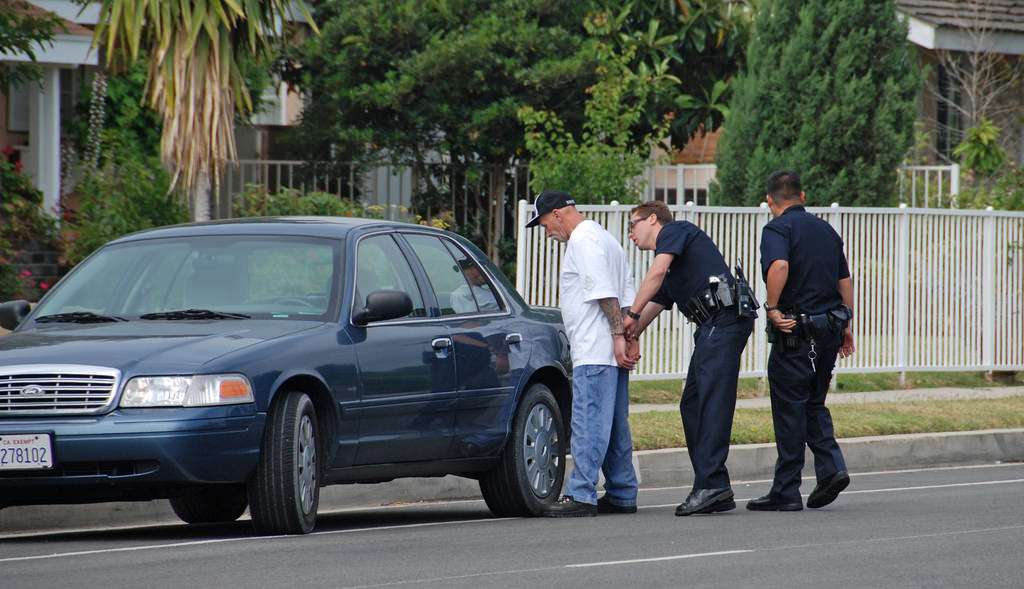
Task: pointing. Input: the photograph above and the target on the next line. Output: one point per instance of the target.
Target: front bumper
(136, 454)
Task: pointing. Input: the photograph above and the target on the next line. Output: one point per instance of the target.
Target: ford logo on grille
(31, 391)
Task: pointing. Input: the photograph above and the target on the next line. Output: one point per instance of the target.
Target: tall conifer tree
(829, 90)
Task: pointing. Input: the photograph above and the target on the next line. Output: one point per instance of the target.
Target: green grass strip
(663, 429)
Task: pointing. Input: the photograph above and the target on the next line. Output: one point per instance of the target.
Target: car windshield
(211, 277)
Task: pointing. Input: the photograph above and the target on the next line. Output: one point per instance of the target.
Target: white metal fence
(928, 186)
(935, 289)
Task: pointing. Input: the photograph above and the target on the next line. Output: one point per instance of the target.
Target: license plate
(26, 452)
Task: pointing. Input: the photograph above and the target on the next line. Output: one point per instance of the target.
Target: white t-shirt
(594, 267)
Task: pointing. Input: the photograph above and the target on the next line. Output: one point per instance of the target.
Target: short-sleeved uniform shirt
(816, 261)
(594, 267)
(696, 259)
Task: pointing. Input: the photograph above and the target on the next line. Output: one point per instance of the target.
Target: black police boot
(826, 491)
(706, 501)
(769, 503)
(605, 505)
(569, 507)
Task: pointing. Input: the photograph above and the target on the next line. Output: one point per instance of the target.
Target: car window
(484, 292)
(451, 287)
(266, 277)
(380, 265)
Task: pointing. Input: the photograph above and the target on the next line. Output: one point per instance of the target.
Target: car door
(490, 353)
(406, 366)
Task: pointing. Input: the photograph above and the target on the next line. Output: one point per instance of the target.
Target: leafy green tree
(604, 165)
(829, 90)
(24, 31)
(696, 46)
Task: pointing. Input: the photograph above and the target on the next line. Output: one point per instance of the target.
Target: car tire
(209, 505)
(531, 469)
(285, 490)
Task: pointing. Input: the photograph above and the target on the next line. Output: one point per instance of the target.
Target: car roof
(332, 227)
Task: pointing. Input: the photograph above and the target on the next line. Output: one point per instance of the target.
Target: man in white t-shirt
(595, 286)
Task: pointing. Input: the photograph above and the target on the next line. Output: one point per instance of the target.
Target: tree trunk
(201, 198)
(496, 218)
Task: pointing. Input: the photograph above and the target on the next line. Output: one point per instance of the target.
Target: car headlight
(187, 391)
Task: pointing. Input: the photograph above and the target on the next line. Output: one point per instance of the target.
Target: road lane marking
(244, 539)
(419, 525)
(685, 557)
(366, 508)
(655, 559)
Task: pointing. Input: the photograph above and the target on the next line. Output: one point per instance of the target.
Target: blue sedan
(248, 363)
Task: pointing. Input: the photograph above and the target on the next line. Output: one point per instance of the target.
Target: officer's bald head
(784, 186)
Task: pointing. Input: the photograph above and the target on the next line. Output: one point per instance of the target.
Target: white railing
(934, 289)
(679, 184)
(929, 186)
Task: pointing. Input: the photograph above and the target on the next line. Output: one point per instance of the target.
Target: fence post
(521, 212)
(903, 294)
(988, 291)
(954, 180)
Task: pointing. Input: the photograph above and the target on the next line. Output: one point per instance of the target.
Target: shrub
(25, 223)
(128, 193)
(257, 201)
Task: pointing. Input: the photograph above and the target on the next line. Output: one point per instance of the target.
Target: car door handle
(513, 338)
(441, 343)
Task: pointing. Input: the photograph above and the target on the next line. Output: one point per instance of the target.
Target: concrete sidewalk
(936, 394)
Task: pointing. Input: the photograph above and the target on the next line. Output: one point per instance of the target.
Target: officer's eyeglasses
(633, 222)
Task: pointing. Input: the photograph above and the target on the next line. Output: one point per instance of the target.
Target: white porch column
(44, 137)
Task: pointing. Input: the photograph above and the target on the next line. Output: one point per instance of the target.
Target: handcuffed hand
(622, 357)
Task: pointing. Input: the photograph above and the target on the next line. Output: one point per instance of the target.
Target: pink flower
(44, 285)
(26, 273)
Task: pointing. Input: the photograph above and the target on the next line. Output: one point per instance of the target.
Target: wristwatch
(632, 314)
(769, 308)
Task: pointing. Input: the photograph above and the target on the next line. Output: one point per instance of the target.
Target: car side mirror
(12, 313)
(382, 305)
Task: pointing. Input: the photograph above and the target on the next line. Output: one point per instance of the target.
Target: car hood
(141, 347)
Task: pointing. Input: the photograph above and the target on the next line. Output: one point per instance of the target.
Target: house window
(947, 116)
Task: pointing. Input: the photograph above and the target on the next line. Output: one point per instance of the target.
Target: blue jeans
(600, 435)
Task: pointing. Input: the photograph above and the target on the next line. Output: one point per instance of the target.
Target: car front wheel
(530, 472)
(285, 491)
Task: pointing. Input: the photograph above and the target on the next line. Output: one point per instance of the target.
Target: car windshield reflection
(231, 277)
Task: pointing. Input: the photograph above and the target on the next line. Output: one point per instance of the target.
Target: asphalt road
(953, 527)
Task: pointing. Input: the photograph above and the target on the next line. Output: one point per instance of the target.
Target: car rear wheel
(210, 505)
(530, 472)
(285, 491)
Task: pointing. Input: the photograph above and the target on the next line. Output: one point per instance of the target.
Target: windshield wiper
(194, 314)
(79, 317)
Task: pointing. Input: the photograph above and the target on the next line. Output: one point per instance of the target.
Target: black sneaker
(605, 505)
(569, 507)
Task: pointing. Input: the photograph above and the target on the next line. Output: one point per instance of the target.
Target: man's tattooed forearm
(613, 312)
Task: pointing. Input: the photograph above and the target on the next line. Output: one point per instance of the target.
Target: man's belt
(720, 295)
(811, 327)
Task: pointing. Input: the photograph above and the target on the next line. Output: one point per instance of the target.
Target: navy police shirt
(816, 261)
(696, 258)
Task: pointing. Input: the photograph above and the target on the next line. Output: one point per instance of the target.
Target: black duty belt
(722, 294)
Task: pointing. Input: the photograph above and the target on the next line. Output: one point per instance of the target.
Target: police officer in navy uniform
(690, 272)
(809, 307)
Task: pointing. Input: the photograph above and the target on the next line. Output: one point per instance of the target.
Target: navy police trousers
(709, 397)
(799, 414)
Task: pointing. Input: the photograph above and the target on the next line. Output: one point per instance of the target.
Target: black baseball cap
(548, 201)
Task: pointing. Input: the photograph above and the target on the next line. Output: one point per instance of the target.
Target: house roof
(71, 46)
(24, 8)
(992, 15)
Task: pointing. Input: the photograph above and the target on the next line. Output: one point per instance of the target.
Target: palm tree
(194, 49)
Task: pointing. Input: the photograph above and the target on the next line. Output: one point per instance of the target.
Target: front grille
(56, 389)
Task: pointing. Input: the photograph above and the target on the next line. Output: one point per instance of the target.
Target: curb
(656, 468)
